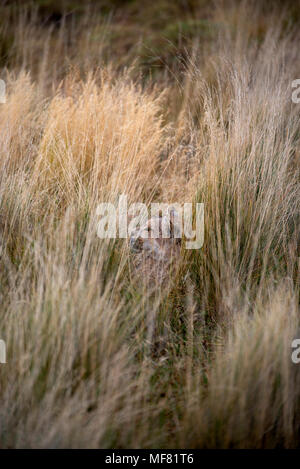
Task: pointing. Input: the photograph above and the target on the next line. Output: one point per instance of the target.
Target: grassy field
(166, 102)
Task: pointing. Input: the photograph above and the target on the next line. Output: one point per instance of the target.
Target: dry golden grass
(96, 357)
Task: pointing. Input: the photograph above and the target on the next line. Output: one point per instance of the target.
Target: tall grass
(95, 356)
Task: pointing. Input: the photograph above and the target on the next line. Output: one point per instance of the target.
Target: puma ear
(175, 223)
